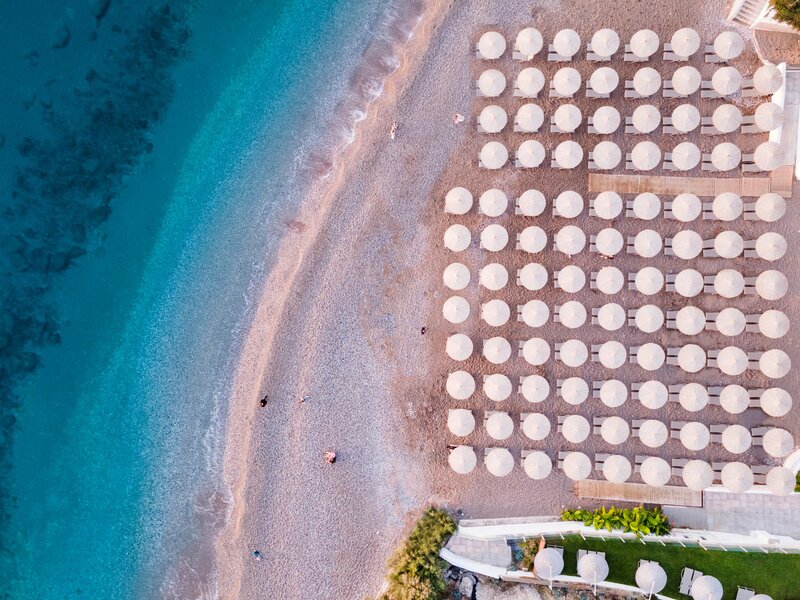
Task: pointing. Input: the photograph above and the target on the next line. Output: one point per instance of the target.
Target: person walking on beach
(264, 400)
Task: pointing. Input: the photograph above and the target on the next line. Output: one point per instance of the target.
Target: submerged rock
(99, 9)
(60, 37)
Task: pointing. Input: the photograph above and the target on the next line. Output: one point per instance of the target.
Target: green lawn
(775, 574)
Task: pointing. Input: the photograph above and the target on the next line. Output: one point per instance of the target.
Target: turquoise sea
(151, 154)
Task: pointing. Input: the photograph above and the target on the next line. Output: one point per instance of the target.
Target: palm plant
(787, 11)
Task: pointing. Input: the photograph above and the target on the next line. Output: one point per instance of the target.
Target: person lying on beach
(330, 457)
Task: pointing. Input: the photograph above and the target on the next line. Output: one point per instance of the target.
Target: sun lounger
(630, 91)
(707, 164)
(635, 387)
(711, 56)
(595, 57)
(673, 392)
(711, 321)
(590, 93)
(708, 91)
(744, 593)
(672, 57)
(677, 466)
(669, 92)
(631, 57)
(675, 429)
(555, 129)
(518, 94)
(595, 351)
(750, 168)
(636, 424)
(668, 165)
(750, 286)
(707, 127)
(672, 356)
(668, 251)
(553, 56)
(629, 128)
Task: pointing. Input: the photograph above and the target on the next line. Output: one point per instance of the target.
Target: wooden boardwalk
(672, 186)
(638, 493)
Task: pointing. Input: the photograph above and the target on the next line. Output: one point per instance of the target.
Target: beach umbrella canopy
(611, 316)
(734, 399)
(767, 79)
(706, 588)
(646, 206)
(644, 43)
(737, 477)
(686, 80)
(462, 459)
(460, 385)
(493, 118)
(653, 433)
(455, 309)
(775, 363)
(647, 243)
(685, 42)
(530, 82)
(535, 313)
(729, 283)
(571, 279)
(649, 281)
(573, 353)
(497, 350)
(499, 425)
(609, 280)
(698, 475)
(728, 45)
(695, 436)
(548, 563)
(685, 118)
(732, 360)
(570, 240)
(771, 246)
(609, 241)
(646, 117)
(726, 80)
(575, 429)
(592, 568)
(608, 205)
(604, 80)
(491, 83)
(456, 276)
(457, 238)
(649, 318)
(687, 244)
(535, 388)
(693, 397)
(493, 202)
(491, 45)
(499, 462)
(655, 471)
(606, 155)
(768, 156)
(537, 465)
(617, 468)
(568, 154)
(458, 201)
(613, 393)
(529, 42)
(772, 285)
(690, 320)
(459, 346)
(577, 466)
(495, 312)
(532, 240)
(781, 482)
(773, 324)
(736, 439)
(726, 156)
(532, 203)
(691, 358)
(727, 118)
(532, 276)
(612, 354)
(494, 237)
(493, 276)
(536, 351)
(730, 321)
(650, 356)
(686, 207)
(604, 42)
(606, 119)
(569, 204)
(460, 421)
(615, 430)
(574, 390)
(497, 387)
(728, 244)
(536, 426)
(685, 156)
(493, 155)
(530, 118)
(645, 156)
(567, 42)
(653, 394)
(778, 442)
(566, 81)
(727, 206)
(768, 116)
(530, 154)
(689, 283)
(572, 314)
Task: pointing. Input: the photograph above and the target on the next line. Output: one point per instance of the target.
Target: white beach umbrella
(729, 283)
(494, 238)
(734, 399)
(613, 393)
(491, 45)
(736, 477)
(650, 356)
(575, 429)
(455, 309)
(647, 243)
(456, 276)
(728, 244)
(653, 433)
(491, 83)
(569, 204)
(570, 240)
(691, 358)
(593, 568)
(567, 42)
(604, 80)
(728, 45)
(727, 118)
(690, 320)
(698, 475)
(687, 244)
(566, 81)
(706, 588)
(495, 312)
(606, 155)
(530, 154)
(768, 116)
(732, 360)
(646, 118)
(768, 156)
(536, 351)
(653, 394)
(457, 238)
(608, 205)
(686, 80)
(781, 482)
(772, 285)
(460, 421)
(685, 118)
(644, 43)
(767, 79)
(615, 430)
(686, 207)
(532, 240)
(532, 276)
(606, 120)
(736, 439)
(773, 324)
(646, 206)
(727, 206)
(459, 346)
(577, 466)
(499, 462)
(529, 42)
(497, 387)
(617, 468)
(574, 353)
(604, 42)
(726, 156)
(612, 354)
(726, 80)
(649, 281)
(645, 156)
(460, 385)
(458, 201)
(536, 426)
(535, 313)
(574, 390)
(493, 276)
(462, 459)
(530, 82)
(571, 279)
(778, 442)
(775, 363)
(685, 42)
(493, 118)
(568, 154)
(609, 280)
(695, 436)
(646, 81)
(537, 465)
(609, 241)
(730, 321)
(493, 155)
(548, 563)
(693, 397)
(689, 283)
(535, 388)
(496, 350)
(611, 316)
(649, 318)
(572, 314)
(532, 203)
(530, 117)
(685, 156)
(771, 246)
(493, 202)
(655, 471)
(499, 425)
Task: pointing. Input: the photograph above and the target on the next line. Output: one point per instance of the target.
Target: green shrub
(529, 548)
(787, 11)
(639, 520)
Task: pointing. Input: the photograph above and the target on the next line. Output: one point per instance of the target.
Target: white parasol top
(460, 421)
(695, 436)
(771, 246)
(536, 351)
(657, 472)
(726, 156)
(568, 154)
(537, 465)
(685, 42)
(729, 283)
(569, 204)
(530, 82)
(652, 433)
(604, 42)
(617, 468)
(734, 399)
(530, 117)
(574, 390)
(693, 397)
(499, 425)
(491, 83)
(698, 475)
(493, 118)
(781, 482)
(567, 42)
(778, 442)
(532, 239)
(772, 285)
(609, 280)
(647, 243)
(653, 394)
(687, 244)
(459, 347)
(650, 356)
(686, 80)
(571, 279)
(768, 156)
(499, 462)
(530, 154)
(736, 439)
(606, 120)
(613, 393)
(577, 466)
(462, 459)
(611, 316)
(573, 353)
(455, 310)
(566, 81)
(494, 237)
(737, 477)
(608, 205)
(706, 588)
(575, 429)
(646, 81)
(570, 240)
(572, 314)
(691, 358)
(732, 360)
(644, 43)
(690, 320)
(728, 45)
(689, 283)
(495, 312)
(606, 155)
(646, 206)
(775, 363)
(730, 321)
(536, 426)
(456, 276)
(612, 354)
(458, 201)
(491, 45)
(460, 385)
(767, 79)
(645, 156)
(615, 430)
(604, 80)
(548, 563)
(493, 155)
(497, 387)
(649, 318)
(728, 244)
(726, 81)
(496, 350)
(649, 281)
(727, 206)
(685, 118)
(457, 238)
(493, 202)
(727, 118)
(532, 203)
(768, 116)
(533, 277)
(685, 156)
(609, 241)
(593, 568)
(535, 388)
(773, 324)
(686, 207)
(529, 42)
(646, 118)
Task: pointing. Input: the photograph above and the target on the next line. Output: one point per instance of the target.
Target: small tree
(787, 11)
(529, 549)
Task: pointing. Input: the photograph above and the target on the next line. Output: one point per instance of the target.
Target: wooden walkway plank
(638, 493)
(700, 186)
